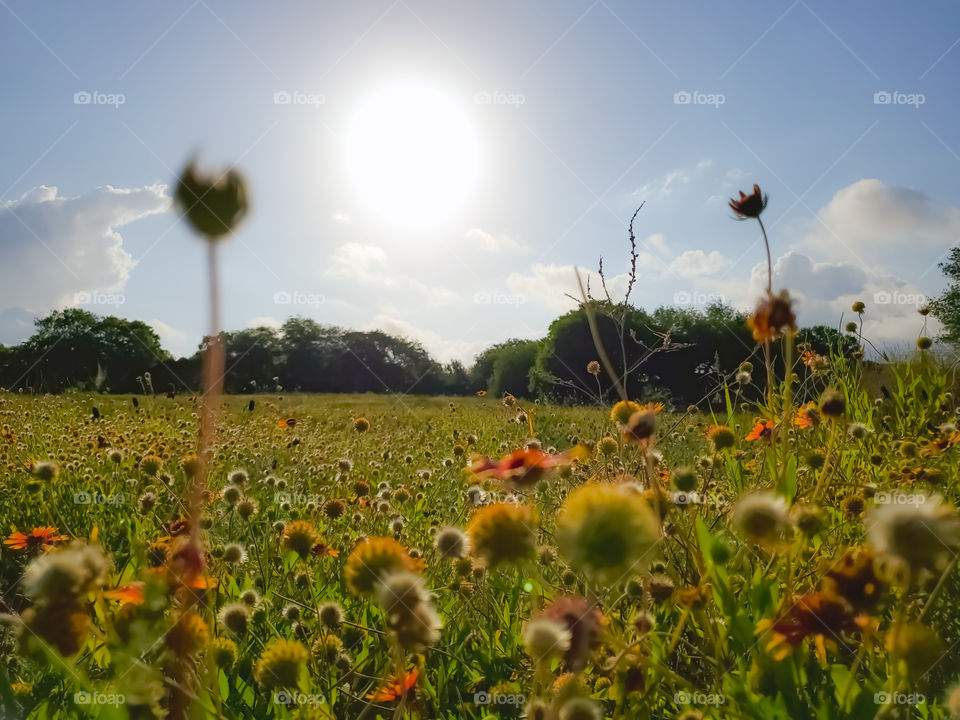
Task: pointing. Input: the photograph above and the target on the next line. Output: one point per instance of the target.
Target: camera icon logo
(82, 498)
(282, 97)
(82, 98)
(82, 698)
(882, 98)
(282, 697)
(881, 698)
(481, 698)
(482, 298)
(882, 297)
(682, 98)
(682, 298)
(682, 698)
(282, 298)
(482, 98)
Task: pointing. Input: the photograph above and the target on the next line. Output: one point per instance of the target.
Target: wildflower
(641, 425)
(622, 411)
(806, 416)
(721, 436)
(451, 543)
(223, 652)
(132, 594)
(685, 479)
(188, 635)
(920, 535)
(833, 403)
(411, 619)
(761, 430)
(580, 708)
(361, 424)
(858, 307)
(815, 613)
(150, 465)
(593, 367)
(281, 664)
(39, 538)
(300, 536)
(924, 343)
(544, 639)
(524, 467)
(608, 446)
(238, 478)
(235, 617)
(584, 623)
(70, 572)
(396, 687)
(503, 532)
(606, 530)
(809, 519)
(854, 579)
(250, 598)
(46, 470)
(761, 516)
(331, 615)
(246, 508)
(373, 559)
(212, 205)
(749, 206)
(334, 508)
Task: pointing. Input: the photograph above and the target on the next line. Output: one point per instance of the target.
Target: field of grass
(408, 557)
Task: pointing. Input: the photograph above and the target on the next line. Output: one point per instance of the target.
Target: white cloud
(663, 187)
(693, 263)
(489, 242)
(173, 341)
(883, 227)
(340, 217)
(368, 264)
(440, 348)
(549, 285)
(264, 321)
(53, 247)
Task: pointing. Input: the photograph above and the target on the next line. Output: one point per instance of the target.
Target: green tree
(946, 308)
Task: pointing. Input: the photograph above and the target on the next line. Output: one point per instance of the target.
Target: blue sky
(577, 110)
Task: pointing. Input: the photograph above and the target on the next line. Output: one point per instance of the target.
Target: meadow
(397, 556)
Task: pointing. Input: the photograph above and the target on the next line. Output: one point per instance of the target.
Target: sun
(411, 155)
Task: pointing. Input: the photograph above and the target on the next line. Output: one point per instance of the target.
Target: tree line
(677, 354)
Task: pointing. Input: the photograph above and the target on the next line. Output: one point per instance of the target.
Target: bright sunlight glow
(411, 155)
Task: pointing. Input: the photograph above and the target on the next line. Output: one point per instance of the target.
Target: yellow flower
(281, 664)
(623, 410)
(503, 532)
(372, 559)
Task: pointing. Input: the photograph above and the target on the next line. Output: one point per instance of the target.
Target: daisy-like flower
(817, 614)
(503, 533)
(281, 664)
(524, 467)
(917, 535)
(749, 206)
(773, 317)
(38, 539)
(761, 430)
(396, 687)
(373, 559)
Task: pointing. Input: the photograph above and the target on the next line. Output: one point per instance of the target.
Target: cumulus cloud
(267, 321)
(872, 223)
(693, 263)
(16, 325)
(662, 187)
(549, 285)
(53, 247)
(441, 348)
(173, 341)
(368, 264)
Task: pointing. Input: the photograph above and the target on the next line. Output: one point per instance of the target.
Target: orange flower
(762, 429)
(481, 393)
(40, 537)
(817, 614)
(321, 549)
(131, 594)
(772, 317)
(9, 436)
(652, 407)
(806, 416)
(524, 467)
(289, 422)
(749, 206)
(396, 687)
